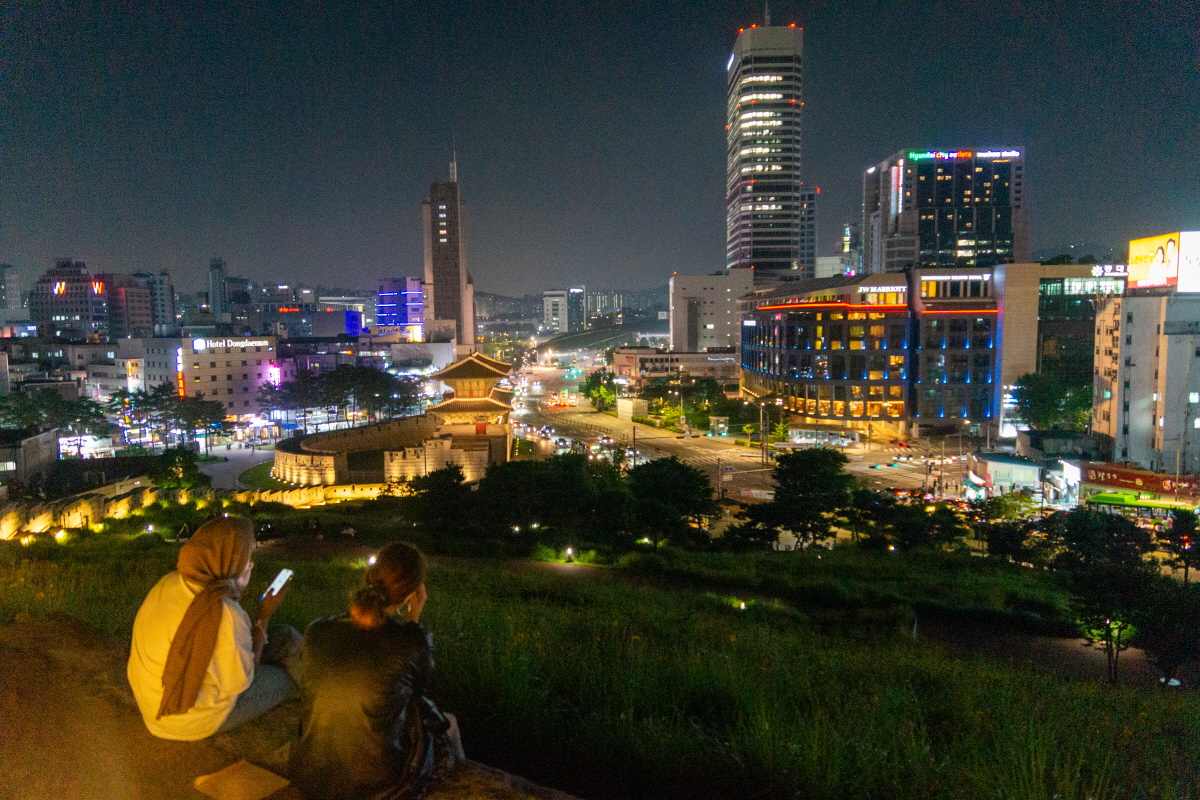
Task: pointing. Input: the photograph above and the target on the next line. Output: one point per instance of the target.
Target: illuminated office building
(449, 300)
(770, 215)
(399, 304)
(924, 351)
(70, 302)
(956, 208)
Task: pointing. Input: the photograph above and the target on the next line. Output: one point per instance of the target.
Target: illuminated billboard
(1169, 260)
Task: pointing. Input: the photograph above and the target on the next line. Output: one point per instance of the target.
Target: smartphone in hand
(277, 585)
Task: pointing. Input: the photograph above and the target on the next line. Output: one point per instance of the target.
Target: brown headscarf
(213, 559)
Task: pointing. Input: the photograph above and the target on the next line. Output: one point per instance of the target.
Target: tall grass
(579, 679)
(845, 578)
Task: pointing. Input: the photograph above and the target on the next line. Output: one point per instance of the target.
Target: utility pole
(942, 469)
(762, 430)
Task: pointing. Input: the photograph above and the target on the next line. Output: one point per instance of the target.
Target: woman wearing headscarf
(197, 666)
(366, 728)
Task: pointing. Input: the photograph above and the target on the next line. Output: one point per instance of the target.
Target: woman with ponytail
(367, 729)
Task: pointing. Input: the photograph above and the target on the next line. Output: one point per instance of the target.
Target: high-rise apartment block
(956, 208)
(564, 310)
(1146, 381)
(130, 306)
(449, 294)
(554, 311)
(770, 215)
(704, 310)
(162, 297)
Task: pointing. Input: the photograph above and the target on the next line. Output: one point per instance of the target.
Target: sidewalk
(224, 474)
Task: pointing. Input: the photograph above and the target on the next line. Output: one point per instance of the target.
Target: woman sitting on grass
(196, 665)
(367, 730)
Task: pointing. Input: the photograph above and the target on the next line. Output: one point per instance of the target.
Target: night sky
(297, 140)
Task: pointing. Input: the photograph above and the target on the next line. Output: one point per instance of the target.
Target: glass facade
(1066, 325)
(861, 353)
(964, 212)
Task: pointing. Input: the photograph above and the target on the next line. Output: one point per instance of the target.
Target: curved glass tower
(770, 219)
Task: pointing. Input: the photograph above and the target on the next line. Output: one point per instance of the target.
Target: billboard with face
(1172, 259)
(1154, 261)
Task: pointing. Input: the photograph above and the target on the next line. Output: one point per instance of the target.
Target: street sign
(726, 469)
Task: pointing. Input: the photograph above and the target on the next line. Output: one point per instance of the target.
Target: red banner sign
(1119, 476)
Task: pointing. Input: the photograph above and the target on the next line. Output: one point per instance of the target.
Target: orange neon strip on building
(861, 306)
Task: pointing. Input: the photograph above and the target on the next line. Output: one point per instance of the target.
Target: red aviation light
(792, 25)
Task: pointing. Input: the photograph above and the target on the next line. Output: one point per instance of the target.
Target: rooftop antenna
(766, 13)
(453, 160)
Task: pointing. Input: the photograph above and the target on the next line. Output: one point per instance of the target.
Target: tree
(598, 387)
(1059, 259)
(20, 410)
(196, 412)
(811, 487)
(177, 468)
(1181, 540)
(1077, 408)
(338, 387)
(441, 501)
(79, 417)
(1168, 625)
(668, 498)
(1102, 557)
(1039, 400)
(513, 495)
(1011, 506)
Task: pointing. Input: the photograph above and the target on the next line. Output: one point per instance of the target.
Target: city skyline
(300, 147)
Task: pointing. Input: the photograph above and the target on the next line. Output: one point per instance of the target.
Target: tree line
(348, 389)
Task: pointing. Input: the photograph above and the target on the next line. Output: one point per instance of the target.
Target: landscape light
(58, 537)
(371, 560)
(743, 606)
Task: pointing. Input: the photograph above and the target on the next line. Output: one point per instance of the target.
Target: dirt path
(70, 730)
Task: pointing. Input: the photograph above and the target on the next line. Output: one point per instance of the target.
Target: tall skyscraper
(218, 293)
(956, 208)
(449, 293)
(768, 220)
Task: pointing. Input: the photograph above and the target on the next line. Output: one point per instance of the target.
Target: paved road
(714, 455)
(224, 474)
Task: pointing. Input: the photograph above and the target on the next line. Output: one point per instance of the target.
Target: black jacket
(367, 730)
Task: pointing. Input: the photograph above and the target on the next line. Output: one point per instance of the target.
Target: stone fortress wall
(411, 447)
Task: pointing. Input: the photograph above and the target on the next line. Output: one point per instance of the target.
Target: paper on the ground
(241, 781)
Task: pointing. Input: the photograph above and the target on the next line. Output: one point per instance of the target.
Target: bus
(1148, 513)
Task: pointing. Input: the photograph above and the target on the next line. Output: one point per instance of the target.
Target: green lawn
(610, 688)
(259, 477)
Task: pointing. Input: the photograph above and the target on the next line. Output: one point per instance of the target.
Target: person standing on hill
(366, 728)
(197, 666)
